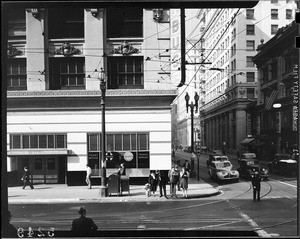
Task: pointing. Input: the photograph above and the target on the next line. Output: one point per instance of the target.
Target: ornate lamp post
(103, 188)
(192, 106)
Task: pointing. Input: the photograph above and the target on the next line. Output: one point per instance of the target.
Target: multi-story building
(191, 86)
(230, 38)
(275, 116)
(55, 61)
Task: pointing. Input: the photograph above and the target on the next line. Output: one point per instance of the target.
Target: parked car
(222, 171)
(283, 163)
(248, 165)
(216, 157)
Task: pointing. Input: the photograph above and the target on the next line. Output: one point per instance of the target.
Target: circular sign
(128, 156)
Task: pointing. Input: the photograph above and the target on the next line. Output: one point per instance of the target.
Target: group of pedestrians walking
(178, 180)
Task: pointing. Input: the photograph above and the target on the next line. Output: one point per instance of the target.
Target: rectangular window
(50, 141)
(66, 23)
(249, 13)
(143, 141)
(233, 34)
(110, 142)
(93, 141)
(16, 74)
(25, 141)
(42, 141)
(274, 29)
(34, 143)
(250, 93)
(289, 14)
(126, 142)
(249, 61)
(250, 76)
(15, 141)
(274, 1)
(274, 13)
(118, 142)
(16, 23)
(67, 73)
(124, 22)
(61, 141)
(250, 30)
(125, 72)
(233, 50)
(250, 45)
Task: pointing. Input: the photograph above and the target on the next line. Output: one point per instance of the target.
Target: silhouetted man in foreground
(83, 226)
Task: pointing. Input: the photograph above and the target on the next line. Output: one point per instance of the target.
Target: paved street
(223, 209)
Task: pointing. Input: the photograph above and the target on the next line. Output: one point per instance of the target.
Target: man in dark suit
(256, 179)
(26, 178)
(83, 226)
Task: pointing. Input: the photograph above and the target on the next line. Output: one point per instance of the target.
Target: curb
(116, 199)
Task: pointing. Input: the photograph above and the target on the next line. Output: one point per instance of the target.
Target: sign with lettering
(296, 98)
(93, 155)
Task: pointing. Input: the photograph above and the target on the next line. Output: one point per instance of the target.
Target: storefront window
(35, 141)
(50, 141)
(43, 141)
(118, 144)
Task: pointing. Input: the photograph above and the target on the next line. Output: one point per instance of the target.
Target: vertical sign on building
(175, 46)
(295, 97)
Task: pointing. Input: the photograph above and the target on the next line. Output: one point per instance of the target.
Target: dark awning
(247, 141)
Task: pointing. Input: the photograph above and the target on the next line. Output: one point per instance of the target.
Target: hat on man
(82, 210)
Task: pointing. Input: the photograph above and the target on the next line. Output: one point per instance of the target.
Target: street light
(192, 106)
(103, 188)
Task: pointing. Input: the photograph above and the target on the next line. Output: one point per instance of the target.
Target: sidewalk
(62, 193)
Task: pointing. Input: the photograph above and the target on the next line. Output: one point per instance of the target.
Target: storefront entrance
(45, 169)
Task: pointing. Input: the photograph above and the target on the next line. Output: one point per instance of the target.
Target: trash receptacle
(125, 184)
(113, 184)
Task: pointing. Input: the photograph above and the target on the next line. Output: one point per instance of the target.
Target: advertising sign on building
(296, 98)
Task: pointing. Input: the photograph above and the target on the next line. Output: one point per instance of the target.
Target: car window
(250, 163)
(223, 164)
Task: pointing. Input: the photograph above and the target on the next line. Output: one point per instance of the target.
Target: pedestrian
(153, 181)
(174, 180)
(162, 182)
(8, 230)
(121, 169)
(184, 176)
(256, 179)
(26, 178)
(83, 226)
(187, 165)
(88, 176)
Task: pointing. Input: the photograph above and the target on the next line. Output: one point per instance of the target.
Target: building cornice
(87, 93)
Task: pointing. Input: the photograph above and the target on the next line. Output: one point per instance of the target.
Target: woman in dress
(184, 176)
(153, 180)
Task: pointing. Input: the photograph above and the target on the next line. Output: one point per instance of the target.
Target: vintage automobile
(222, 171)
(216, 157)
(283, 163)
(248, 164)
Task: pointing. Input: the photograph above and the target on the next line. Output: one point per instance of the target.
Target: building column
(35, 42)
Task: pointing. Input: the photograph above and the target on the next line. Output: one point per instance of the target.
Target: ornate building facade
(55, 60)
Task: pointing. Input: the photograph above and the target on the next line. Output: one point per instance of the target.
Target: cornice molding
(90, 93)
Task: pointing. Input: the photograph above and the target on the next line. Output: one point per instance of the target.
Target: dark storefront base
(77, 178)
